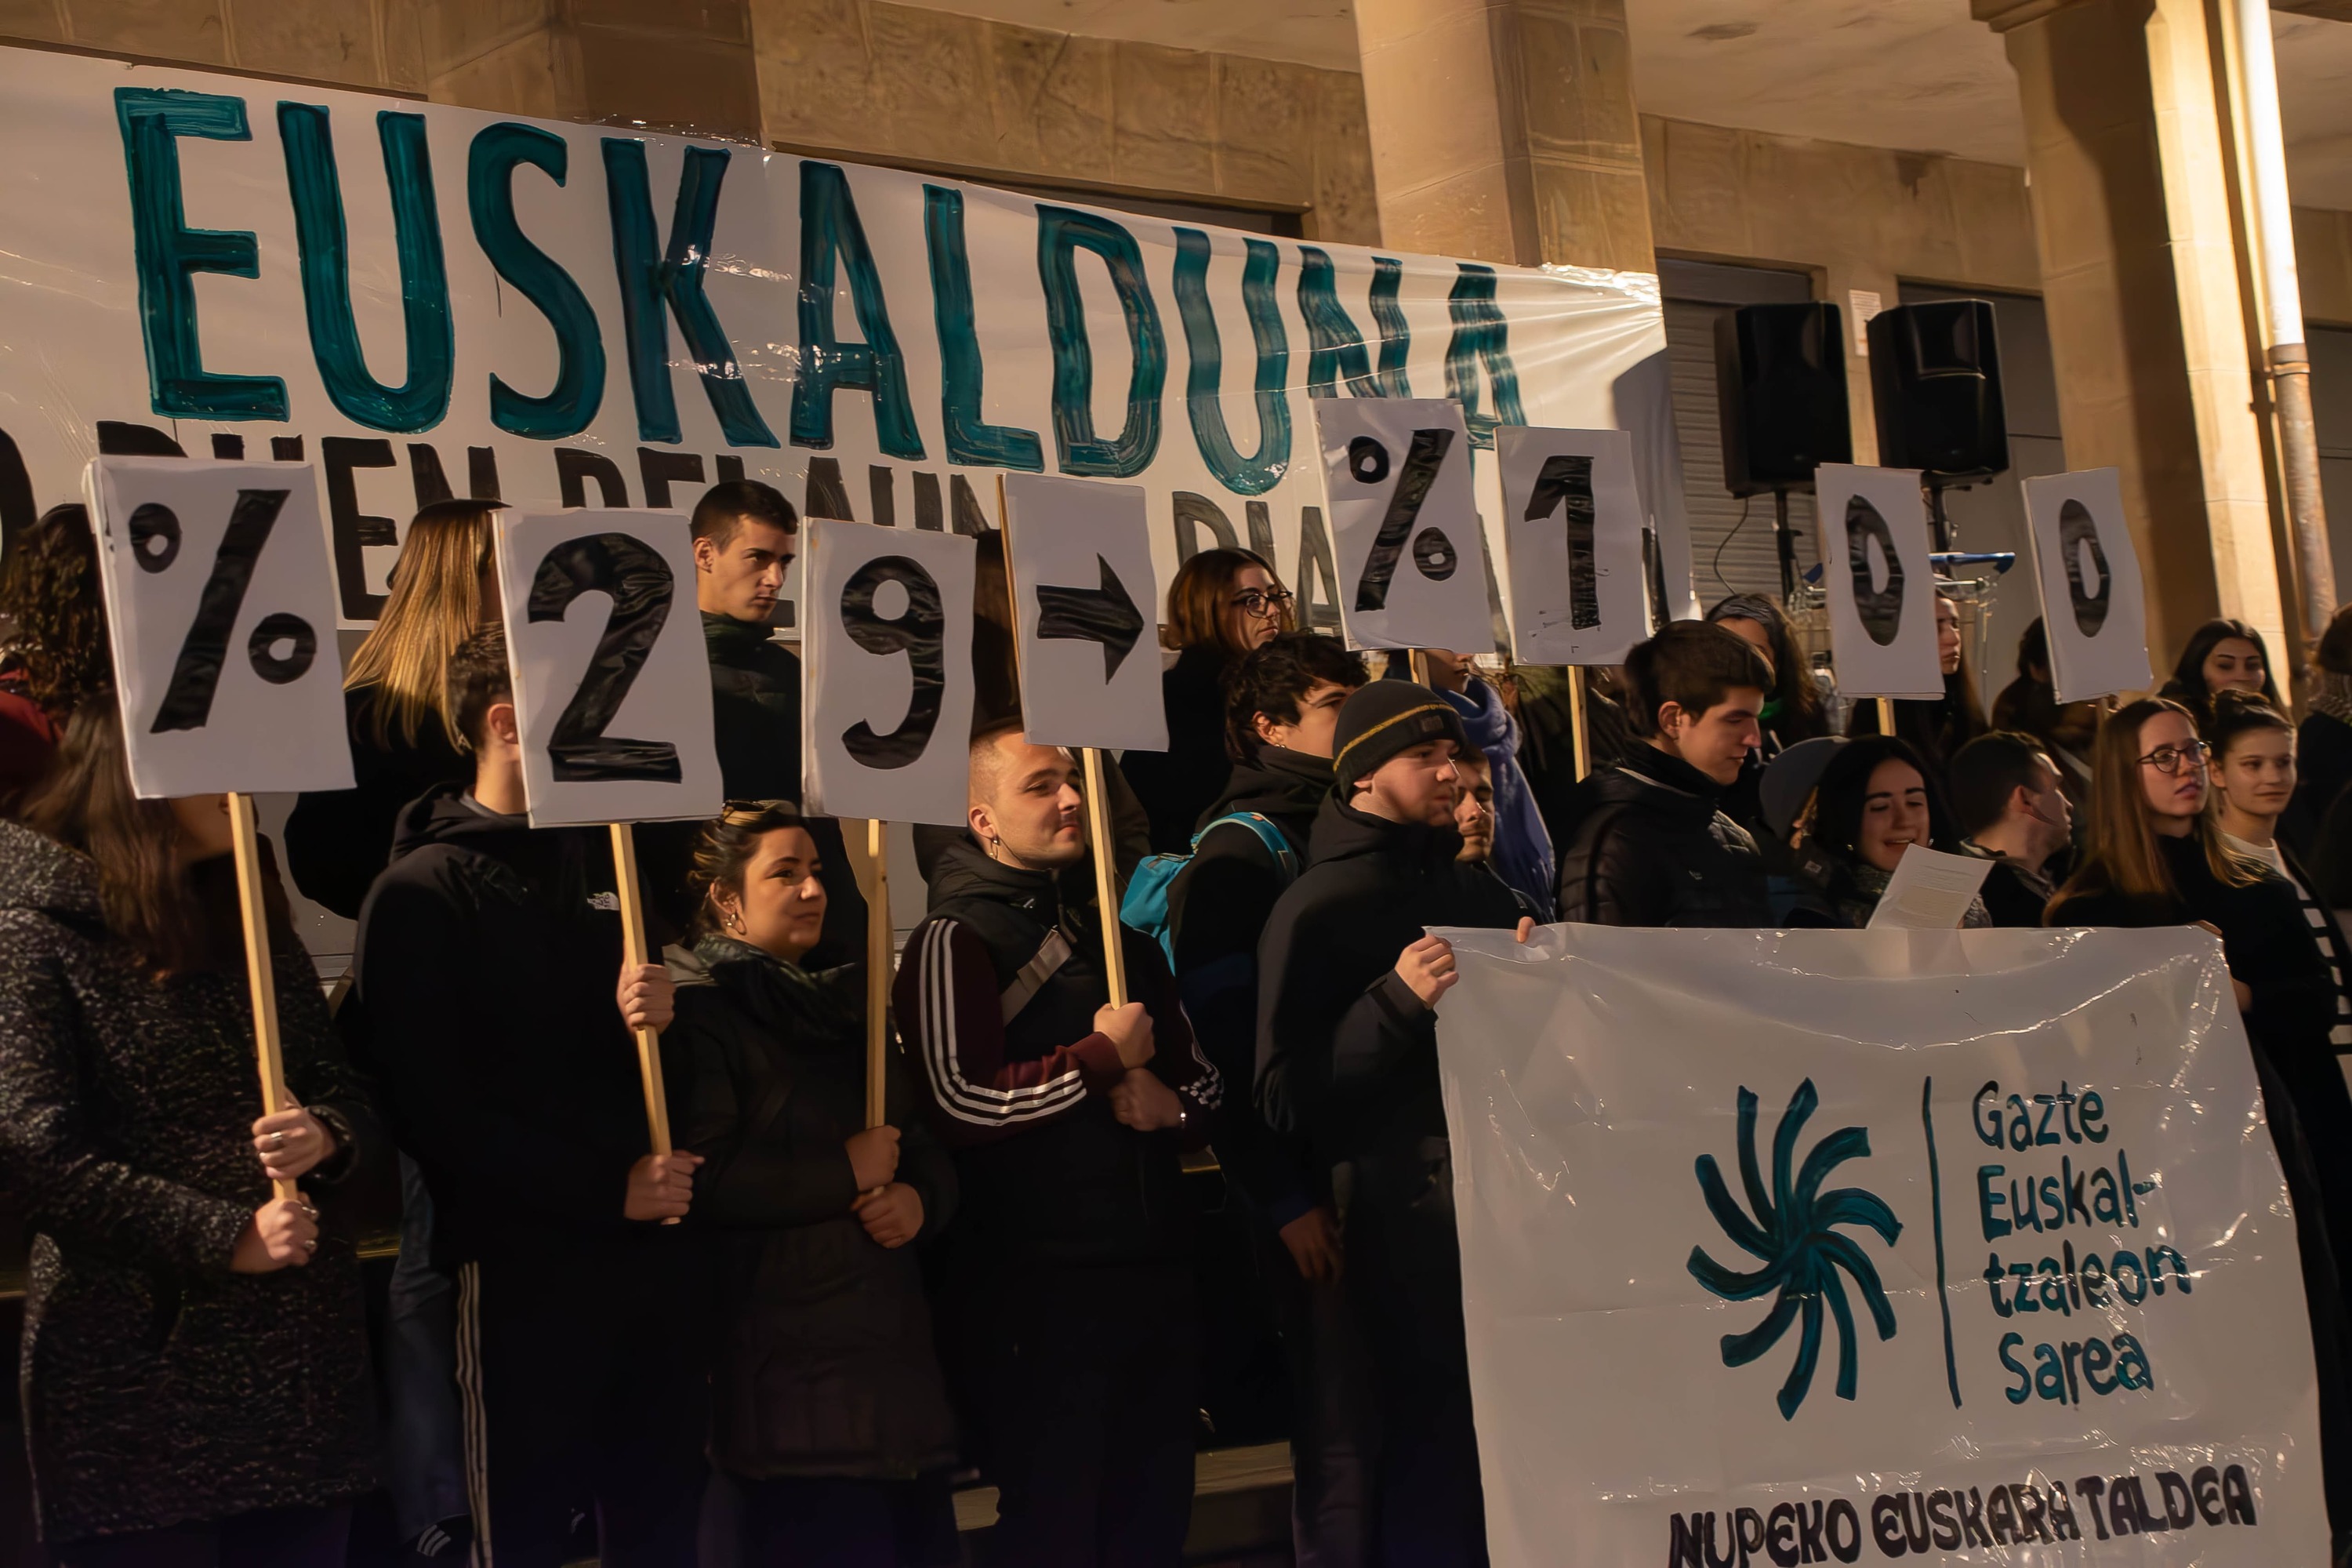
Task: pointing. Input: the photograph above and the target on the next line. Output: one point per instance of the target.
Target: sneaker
(447, 1541)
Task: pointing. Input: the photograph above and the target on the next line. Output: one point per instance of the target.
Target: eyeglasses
(2168, 759)
(1261, 601)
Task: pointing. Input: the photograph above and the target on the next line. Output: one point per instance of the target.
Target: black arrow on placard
(1104, 615)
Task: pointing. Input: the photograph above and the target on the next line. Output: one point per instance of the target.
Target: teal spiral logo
(1794, 1235)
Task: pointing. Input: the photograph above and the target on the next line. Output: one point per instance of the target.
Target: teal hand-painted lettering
(1481, 340)
(168, 253)
(1061, 233)
(1335, 347)
(579, 389)
(1262, 470)
(970, 437)
(831, 235)
(657, 282)
(324, 240)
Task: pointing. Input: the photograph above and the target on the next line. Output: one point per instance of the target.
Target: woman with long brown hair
(443, 586)
(1222, 604)
(195, 1369)
(2221, 653)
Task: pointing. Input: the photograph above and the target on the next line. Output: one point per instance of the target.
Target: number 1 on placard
(1566, 478)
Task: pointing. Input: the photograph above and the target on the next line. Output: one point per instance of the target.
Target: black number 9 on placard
(1433, 552)
(918, 631)
(640, 584)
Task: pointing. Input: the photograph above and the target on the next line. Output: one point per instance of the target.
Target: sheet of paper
(1930, 891)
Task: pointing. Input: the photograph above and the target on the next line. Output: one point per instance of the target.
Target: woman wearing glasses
(1222, 604)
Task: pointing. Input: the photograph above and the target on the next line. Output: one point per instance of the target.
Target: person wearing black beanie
(1347, 1058)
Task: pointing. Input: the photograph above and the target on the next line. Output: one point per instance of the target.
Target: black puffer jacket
(1177, 784)
(338, 841)
(1658, 850)
(1347, 1054)
(825, 1364)
(160, 1387)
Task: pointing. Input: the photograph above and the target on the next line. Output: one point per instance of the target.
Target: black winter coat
(2323, 766)
(158, 1386)
(1656, 851)
(1178, 784)
(1347, 1054)
(339, 841)
(1217, 909)
(483, 1003)
(825, 1364)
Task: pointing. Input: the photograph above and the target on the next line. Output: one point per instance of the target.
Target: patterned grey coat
(159, 1387)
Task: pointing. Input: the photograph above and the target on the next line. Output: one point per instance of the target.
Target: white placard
(1405, 533)
(1961, 1248)
(2088, 569)
(1875, 550)
(1085, 605)
(221, 613)
(611, 683)
(885, 645)
(1572, 544)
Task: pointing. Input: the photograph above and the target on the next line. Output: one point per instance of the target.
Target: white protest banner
(1080, 556)
(1404, 524)
(612, 684)
(1951, 1247)
(2088, 569)
(435, 297)
(1572, 544)
(886, 649)
(219, 604)
(1880, 580)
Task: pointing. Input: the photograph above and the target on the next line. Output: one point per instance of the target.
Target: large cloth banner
(433, 300)
(1817, 1246)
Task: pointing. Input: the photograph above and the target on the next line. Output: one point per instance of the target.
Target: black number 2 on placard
(919, 631)
(1569, 479)
(196, 674)
(639, 582)
(1433, 551)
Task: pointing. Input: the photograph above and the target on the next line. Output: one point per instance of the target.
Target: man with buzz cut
(746, 536)
(1350, 982)
(1069, 1303)
(483, 1004)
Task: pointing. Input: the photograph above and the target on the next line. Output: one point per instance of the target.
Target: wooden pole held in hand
(1886, 716)
(878, 976)
(1578, 730)
(1106, 875)
(244, 839)
(1417, 661)
(633, 952)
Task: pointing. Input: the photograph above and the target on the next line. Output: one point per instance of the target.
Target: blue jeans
(424, 1449)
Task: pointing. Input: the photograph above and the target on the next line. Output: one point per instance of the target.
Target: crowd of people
(830, 1324)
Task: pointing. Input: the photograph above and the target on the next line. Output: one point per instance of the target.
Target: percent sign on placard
(1404, 523)
(215, 582)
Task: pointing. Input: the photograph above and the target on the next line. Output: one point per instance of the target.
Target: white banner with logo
(1838, 1247)
(431, 299)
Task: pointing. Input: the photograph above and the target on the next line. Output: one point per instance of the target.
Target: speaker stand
(1787, 542)
(1937, 518)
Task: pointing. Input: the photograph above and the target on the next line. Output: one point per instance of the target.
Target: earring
(734, 922)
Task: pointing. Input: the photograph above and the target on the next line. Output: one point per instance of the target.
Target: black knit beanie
(1384, 718)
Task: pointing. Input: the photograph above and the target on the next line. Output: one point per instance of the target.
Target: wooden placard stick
(878, 976)
(633, 952)
(1579, 733)
(259, 973)
(1417, 660)
(1886, 716)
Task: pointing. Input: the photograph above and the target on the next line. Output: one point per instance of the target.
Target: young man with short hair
(480, 1003)
(746, 536)
(1655, 848)
(2012, 811)
(1068, 1303)
(1282, 711)
(1348, 1061)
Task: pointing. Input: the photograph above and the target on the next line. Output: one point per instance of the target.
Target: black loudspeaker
(1935, 374)
(1780, 383)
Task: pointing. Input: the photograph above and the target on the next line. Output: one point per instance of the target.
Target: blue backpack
(1145, 907)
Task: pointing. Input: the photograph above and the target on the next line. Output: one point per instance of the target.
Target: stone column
(669, 65)
(2133, 216)
(1504, 130)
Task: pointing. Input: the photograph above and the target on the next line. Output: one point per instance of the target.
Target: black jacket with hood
(998, 991)
(1656, 849)
(824, 1362)
(483, 1002)
(1347, 1054)
(1217, 908)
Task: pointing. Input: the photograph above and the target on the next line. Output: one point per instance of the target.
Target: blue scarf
(1522, 853)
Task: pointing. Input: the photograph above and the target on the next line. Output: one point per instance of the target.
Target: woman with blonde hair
(444, 586)
(1222, 604)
